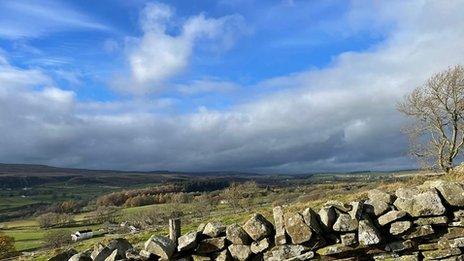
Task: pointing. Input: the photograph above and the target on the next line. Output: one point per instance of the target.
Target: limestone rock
(400, 227)
(391, 216)
(454, 232)
(458, 214)
(121, 245)
(376, 207)
(424, 204)
(240, 252)
(210, 245)
(345, 223)
(421, 231)
(457, 243)
(280, 236)
(283, 252)
(440, 220)
(356, 211)
(452, 192)
(297, 229)
(338, 205)
(214, 229)
(334, 249)
(349, 239)
(311, 218)
(451, 258)
(187, 241)
(258, 227)
(440, 254)
(428, 246)
(236, 235)
(367, 233)
(396, 257)
(444, 243)
(405, 193)
(201, 227)
(398, 246)
(260, 246)
(378, 195)
(146, 255)
(456, 224)
(327, 216)
(160, 246)
(305, 256)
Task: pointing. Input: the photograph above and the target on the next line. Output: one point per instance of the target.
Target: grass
(33, 237)
(26, 238)
(13, 202)
(31, 222)
(29, 236)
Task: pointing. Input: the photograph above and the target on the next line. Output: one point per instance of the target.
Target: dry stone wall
(420, 223)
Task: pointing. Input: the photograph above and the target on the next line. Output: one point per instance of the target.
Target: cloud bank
(337, 118)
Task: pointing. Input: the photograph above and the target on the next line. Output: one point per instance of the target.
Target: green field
(28, 235)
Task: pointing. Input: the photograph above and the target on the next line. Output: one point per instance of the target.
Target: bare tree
(437, 107)
(57, 238)
(51, 219)
(240, 195)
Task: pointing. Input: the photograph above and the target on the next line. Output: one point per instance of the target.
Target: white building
(82, 234)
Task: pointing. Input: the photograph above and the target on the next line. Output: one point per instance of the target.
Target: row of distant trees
(170, 193)
(237, 195)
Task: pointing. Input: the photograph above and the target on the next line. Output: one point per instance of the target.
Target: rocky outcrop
(421, 223)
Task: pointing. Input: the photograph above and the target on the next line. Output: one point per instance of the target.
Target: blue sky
(285, 86)
(83, 56)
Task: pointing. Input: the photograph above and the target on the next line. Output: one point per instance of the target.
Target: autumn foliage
(6, 245)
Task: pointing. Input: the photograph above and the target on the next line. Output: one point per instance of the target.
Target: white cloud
(11, 77)
(158, 54)
(341, 117)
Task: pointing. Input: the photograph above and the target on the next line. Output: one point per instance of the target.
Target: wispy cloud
(24, 19)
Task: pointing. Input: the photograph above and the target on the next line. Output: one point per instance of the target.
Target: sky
(275, 86)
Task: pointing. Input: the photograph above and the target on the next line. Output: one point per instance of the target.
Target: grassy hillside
(20, 207)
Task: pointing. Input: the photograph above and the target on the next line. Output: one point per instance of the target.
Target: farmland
(266, 190)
